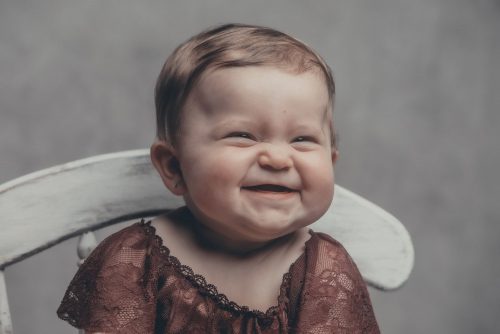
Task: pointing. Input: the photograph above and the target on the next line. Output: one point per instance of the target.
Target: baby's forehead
(225, 95)
(208, 79)
(241, 84)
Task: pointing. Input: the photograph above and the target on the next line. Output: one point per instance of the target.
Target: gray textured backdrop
(418, 112)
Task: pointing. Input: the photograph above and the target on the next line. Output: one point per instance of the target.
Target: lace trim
(211, 290)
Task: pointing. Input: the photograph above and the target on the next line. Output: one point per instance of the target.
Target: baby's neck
(210, 241)
(239, 248)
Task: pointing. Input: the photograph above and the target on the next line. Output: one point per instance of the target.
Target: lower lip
(275, 195)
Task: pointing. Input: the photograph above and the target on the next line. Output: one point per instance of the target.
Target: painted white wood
(379, 244)
(43, 208)
(5, 322)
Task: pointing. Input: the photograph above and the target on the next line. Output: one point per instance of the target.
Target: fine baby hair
(245, 136)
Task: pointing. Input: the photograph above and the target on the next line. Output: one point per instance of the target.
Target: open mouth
(272, 188)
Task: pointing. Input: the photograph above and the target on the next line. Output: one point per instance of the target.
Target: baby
(245, 135)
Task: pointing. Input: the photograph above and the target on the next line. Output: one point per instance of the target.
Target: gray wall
(418, 112)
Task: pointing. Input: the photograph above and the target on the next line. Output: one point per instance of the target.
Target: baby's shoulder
(327, 252)
(326, 242)
(133, 241)
(130, 234)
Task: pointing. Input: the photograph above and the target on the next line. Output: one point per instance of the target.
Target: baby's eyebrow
(233, 123)
(306, 130)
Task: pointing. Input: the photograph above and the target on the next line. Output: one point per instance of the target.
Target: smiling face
(255, 155)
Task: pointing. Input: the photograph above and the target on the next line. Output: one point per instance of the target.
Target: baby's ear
(164, 158)
(335, 155)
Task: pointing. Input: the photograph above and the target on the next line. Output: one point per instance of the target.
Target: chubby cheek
(209, 176)
(318, 180)
(323, 195)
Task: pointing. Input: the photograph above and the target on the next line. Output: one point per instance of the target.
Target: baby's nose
(275, 157)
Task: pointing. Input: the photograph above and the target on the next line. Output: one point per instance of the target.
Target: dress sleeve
(334, 297)
(114, 289)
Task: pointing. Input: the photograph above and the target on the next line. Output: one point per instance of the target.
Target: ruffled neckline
(211, 290)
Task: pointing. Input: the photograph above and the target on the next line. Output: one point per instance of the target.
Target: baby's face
(255, 151)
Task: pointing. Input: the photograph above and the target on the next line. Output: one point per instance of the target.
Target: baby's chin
(262, 232)
(247, 243)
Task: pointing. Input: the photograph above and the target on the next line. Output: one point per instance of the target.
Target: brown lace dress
(131, 284)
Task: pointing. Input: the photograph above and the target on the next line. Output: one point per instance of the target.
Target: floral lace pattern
(132, 284)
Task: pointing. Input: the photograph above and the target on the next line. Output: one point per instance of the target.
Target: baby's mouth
(271, 188)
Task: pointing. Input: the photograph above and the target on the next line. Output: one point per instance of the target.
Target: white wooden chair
(112, 188)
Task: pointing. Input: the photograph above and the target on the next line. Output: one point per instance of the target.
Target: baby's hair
(229, 45)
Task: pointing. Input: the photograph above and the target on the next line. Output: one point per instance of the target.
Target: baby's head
(245, 131)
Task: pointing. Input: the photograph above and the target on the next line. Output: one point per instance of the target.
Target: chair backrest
(112, 188)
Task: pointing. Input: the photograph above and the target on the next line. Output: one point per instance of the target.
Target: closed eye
(302, 139)
(241, 134)
(305, 143)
